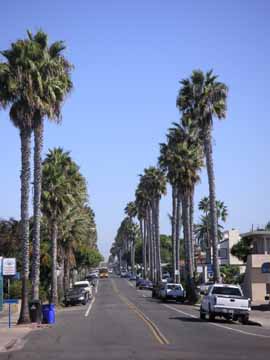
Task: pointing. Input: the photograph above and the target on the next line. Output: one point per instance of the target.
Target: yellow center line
(151, 325)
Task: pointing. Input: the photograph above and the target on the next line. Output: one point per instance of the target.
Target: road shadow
(263, 307)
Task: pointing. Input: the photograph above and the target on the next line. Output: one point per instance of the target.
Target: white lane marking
(90, 307)
(130, 284)
(217, 325)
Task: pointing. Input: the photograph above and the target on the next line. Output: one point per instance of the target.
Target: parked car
(145, 285)
(76, 295)
(133, 277)
(85, 284)
(123, 274)
(172, 291)
(203, 288)
(225, 301)
(138, 281)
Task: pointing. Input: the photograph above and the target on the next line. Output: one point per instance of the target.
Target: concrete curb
(10, 344)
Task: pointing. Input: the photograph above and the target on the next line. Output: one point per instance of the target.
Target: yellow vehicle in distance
(103, 273)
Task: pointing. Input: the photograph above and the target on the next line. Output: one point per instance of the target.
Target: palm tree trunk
(154, 244)
(145, 265)
(25, 135)
(186, 220)
(173, 232)
(158, 256)
(177, 236)
(212, 197)
(191, 218)
(66, 273)
(132, 250)
(38, 138)
(54, 293)
(150, 240)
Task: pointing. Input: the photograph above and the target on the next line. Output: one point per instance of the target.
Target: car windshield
(218, 290)
(80, 286)
(173, 287)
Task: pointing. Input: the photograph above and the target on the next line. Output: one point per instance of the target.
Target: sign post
(10, 302)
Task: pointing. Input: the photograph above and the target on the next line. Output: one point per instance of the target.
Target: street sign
(11, 301)
(9, 266)
(199, 269)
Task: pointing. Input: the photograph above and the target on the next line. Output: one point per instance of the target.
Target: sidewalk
(261, 314)
(14, 337)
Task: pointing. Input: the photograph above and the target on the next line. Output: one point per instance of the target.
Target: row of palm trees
(200, 100)
(35, 78)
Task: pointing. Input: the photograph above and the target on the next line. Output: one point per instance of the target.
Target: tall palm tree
(131, 212)
(52, 85)
(141, 204)
(17, 79)
(155, 185)
(169, 163)
(204, 98)
(188, 155)
(61, 189)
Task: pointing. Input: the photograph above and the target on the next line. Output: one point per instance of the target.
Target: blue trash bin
(48, 312)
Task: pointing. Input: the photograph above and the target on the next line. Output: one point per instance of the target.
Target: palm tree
(61, 189)
(202, 97)
(154, 182)
(169, 164)
(141, 204)
(131, 212)
(17, 76)
(202, 230)
(53, 75)
(188, 155)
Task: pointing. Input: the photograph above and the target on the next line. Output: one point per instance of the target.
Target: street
(123, 323)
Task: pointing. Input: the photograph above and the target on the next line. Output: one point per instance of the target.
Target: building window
(223, 253)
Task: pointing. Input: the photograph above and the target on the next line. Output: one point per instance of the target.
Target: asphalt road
(124, 323)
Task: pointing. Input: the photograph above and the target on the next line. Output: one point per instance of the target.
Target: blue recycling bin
(48, 312)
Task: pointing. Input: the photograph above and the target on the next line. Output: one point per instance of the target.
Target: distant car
(76, 295)
(166, 275)
(172, 291)
(205, 286)
(133, 277)
(110, 271)
(145, 285)
(84, 285)
(124, 274)
(103, 273)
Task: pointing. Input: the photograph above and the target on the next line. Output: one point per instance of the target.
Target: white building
(230, 238)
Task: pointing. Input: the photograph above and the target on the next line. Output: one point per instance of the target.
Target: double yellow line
(151, 325)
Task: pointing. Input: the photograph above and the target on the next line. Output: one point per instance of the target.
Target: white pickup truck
(225, 301)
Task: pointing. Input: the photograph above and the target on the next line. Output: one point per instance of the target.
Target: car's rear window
(173, 287)
(231, 291)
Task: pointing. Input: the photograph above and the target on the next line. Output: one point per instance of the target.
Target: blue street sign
(11, 301)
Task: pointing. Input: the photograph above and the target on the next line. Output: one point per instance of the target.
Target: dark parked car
(76, 296)
(138, 281)
(145, 285)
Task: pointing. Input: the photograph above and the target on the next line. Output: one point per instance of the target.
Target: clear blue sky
(129, 57)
